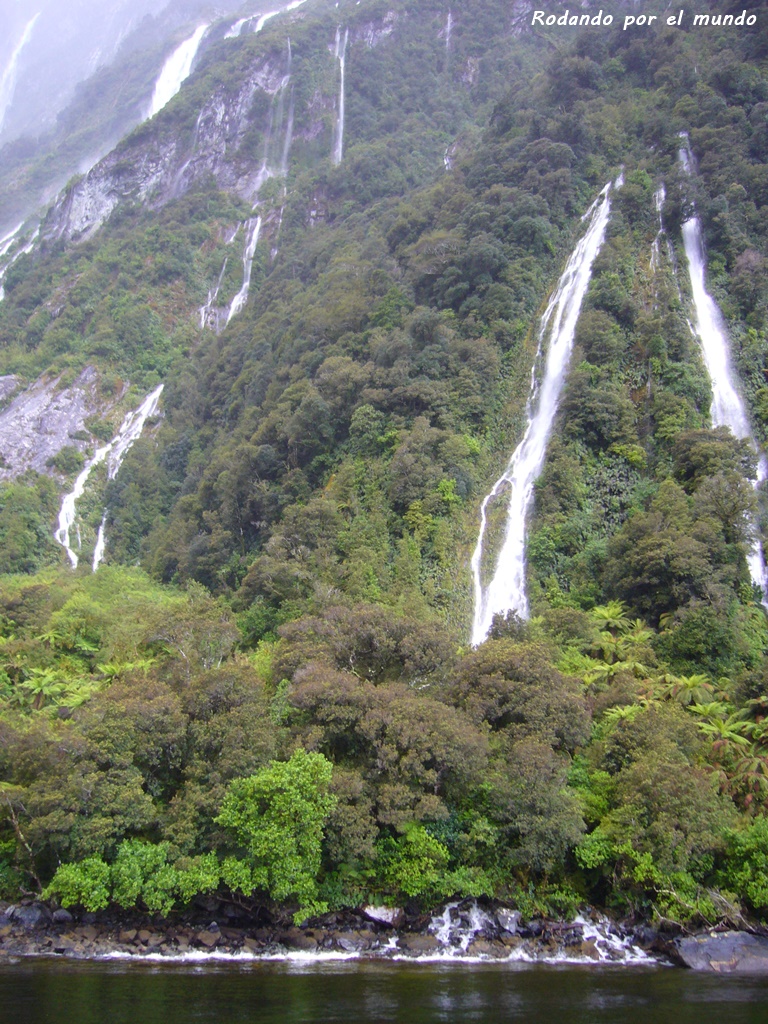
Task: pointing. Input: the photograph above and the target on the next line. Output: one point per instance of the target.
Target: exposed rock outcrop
(725, 953)
(42, 420)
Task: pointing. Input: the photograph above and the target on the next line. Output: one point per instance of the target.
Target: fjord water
(359, 992)
(506, 589)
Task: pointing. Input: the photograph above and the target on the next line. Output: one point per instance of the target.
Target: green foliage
(278, 816)
(744, 868)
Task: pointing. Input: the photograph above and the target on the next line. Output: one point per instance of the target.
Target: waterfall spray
(506, 590)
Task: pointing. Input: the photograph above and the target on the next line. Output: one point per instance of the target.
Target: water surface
(43, 991)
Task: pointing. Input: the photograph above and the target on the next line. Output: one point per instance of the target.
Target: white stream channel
(114, 452)
(253, 227)
(175, 70)
(728, 408)
(341, 57)
(506, 590)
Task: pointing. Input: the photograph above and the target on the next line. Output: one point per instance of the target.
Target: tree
(278, 816)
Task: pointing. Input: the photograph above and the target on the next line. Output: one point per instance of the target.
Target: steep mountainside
(315, 285)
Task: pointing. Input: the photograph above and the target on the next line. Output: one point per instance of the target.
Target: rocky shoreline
(460, 931)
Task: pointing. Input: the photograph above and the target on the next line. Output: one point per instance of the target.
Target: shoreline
(462, 932)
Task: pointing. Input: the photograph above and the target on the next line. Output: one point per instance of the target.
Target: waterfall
(341, 57)
(659, 197)
(7, 241)
(175, 70)
(253, 227)
(506, 590)
(8, 78)
(288, 138)
(448, 28)
(213, 293)
(261, 19)
(728, 408)
(5, 246)
(113, 453)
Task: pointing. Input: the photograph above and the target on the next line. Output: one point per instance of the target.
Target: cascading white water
(7, 241)
(6, 245)
(9, 75)
(728, 408)
(175, 70)
(114, 452)
(506, 590)
(448, 29)
(659, 197)
(206, 311)
(253, 227)
(341, 57)
(261, 19)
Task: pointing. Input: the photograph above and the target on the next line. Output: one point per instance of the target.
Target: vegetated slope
(304, 514)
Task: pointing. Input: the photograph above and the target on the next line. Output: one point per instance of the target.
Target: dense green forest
(268, 689)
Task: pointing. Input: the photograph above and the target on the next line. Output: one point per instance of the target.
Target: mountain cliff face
(334, 281)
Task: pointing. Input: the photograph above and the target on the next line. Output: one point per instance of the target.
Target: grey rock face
(160, 162)
(39, 422)
(509, 920)
(725, 953)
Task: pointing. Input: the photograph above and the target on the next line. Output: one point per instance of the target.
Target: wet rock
(725, 953)
(352, 942)
(208, 939)
(487, 947)
(143, 936)
(252, 945)
(533, 929)
(88, 933)
(508, 920)
(30, 917)
(588, 949)
(127, 935)
(62, 916)
(5, 931)
(295, 938)
(645, 936)
(390, 916)
(418, 943)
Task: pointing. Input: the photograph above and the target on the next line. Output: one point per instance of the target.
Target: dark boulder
(724, 953)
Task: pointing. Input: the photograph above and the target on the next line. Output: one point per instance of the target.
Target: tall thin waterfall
(659, 197)
(506, 590)
(114, 452)
(448, 29)
(341, 57)
(207, 311)
(253, 227)
(175, 70)
(10, 73)
(728, 409)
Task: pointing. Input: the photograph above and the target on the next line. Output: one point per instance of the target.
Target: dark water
(59, 992)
